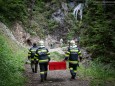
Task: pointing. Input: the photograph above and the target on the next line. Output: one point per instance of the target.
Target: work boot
(45, 77)
(33, 70)
(42, 77)
(36, 66)
(72, 78)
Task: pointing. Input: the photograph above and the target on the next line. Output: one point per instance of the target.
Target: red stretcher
(57, 65)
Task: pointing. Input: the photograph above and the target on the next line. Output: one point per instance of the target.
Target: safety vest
(42, 55)
(32, 52)
(72, 54)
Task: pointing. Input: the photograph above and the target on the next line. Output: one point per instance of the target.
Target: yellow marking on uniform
(43, 60)
(71, 68)
(73, 62)
(41, 72)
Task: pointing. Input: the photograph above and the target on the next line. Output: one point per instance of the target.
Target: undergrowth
(56, 56)
(98, 73)
(11, 63)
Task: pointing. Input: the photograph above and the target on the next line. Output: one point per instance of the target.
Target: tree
(98, 34)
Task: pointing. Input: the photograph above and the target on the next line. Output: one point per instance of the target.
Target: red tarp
(57, 65)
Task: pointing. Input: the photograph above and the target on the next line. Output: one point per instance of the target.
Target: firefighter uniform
(34, 62)
(72, 55)
(42, 54)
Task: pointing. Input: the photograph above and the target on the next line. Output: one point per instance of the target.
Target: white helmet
(72, 43)
(41, 43)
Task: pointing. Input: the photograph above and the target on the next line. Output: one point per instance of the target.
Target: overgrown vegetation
(45, 14)
(56, 56)
(11, 63)
(98, 31)
(12, 10)
(98, 73)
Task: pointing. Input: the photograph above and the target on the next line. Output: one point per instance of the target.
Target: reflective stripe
(67, 52)
(40, 61)
(73, 62)
(41, 72)
(71, 68)
(35, 58)
(39, 51)
(48, 53)
(32, 59)
(66, 55)
(75, 71)
(73, 50)
(29, 52)
(33, 50)
(42, 51)
(79, 52)
(36, 55)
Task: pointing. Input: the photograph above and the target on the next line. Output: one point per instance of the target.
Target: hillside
(90, 23)
(12, 57)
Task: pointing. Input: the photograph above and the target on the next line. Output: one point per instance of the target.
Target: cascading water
(78, 10)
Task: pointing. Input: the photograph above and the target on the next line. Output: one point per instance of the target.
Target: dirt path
(55, 78)
(59, 50)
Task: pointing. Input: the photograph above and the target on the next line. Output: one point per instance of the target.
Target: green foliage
(52, 25)
(99, 73)
(11, 10)
(98, 32)
(56, 56)
(11, 66)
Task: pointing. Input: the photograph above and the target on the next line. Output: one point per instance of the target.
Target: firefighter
(73, 54)
(42, 54)
(31, 54)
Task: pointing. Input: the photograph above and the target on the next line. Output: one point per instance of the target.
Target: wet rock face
(78, 10)
(58, 16)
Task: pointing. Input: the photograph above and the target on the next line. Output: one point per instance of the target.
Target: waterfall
(78, 10)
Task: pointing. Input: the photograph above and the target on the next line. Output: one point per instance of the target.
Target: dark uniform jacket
(32, 52)
(42, 54)
(72, 55)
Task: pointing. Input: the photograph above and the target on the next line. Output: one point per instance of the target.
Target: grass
(56, 56)
(11, 63)
(98, 73)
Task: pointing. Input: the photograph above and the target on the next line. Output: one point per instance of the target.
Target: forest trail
(59, 50)
(55, 78)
